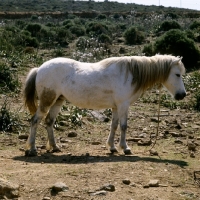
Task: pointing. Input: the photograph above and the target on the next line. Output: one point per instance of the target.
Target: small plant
(8, 120)
(168, 25)
(134, 36)
(195, 25)
(8, 79)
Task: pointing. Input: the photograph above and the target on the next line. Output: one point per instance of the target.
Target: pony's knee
(124, 127)
(34, 120)
(49, 121)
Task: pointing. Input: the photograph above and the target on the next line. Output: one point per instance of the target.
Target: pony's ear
(177, 60)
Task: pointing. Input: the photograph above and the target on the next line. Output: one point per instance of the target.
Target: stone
(126, 181)
(154, 183)
(155, 119)
(8, 189)
(72, 134)
(153, 152)
(174, 134)
(191, 146)
(46, 198)
(101, 192)
(108, 187)
(143, 142)
(59, 186)
(96, 143)
(23, 137)
(192, 155)
(178, 141)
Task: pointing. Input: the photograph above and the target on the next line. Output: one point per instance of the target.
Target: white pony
(114, 82)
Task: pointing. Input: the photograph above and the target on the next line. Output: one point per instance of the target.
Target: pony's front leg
(113, 128)
(123, 113)
(31, 148)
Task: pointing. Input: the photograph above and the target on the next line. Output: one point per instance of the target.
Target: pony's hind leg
(50, 119)
(113, 128)
(35, 120)
(47, 99)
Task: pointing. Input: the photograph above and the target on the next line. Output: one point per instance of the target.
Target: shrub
(168, 25)
(171, 15)
(104, 38)
(8, 79)
(77, 30)
(195, 25)
(96, 28)
(34, 29)
(177, 43)
(101, 16)
(133, 36)
(9, 121)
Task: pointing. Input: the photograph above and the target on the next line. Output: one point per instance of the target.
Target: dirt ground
(89, 171)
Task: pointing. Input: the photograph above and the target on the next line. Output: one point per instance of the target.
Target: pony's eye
(178, 75)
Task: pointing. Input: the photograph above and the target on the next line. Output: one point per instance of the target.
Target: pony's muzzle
(180, 95)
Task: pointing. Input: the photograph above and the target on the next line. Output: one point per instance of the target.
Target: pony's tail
(30, 96)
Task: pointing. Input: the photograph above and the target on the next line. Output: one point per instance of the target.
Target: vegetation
(28, 39)
(134, 36)
(177, 43)
(168, 25)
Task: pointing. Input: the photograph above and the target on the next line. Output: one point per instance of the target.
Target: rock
(155, 119)
(8, 189)
(191, 146)
(174, 134)
(178, 141)
(108, 187)
(133, 139)
(23, 137)
(59, 186)
(96, 143)
(126, 181)
(144, 142)
(192, 155)
(153, 183)
(46, 198)
(72, 134)
(100, 116)
(153, 152)
(102, 192)
(64, 140)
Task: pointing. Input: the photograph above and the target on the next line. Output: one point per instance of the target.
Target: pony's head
(174, 82)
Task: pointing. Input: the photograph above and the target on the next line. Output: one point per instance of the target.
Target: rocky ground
(86, 170)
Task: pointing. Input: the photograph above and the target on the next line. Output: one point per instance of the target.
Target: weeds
(8, 120)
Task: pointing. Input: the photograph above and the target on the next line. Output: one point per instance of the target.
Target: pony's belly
(92, 102)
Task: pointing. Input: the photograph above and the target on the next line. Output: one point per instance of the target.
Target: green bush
(101, 16)
(96, 28)
(77, 30)
(8, 79)
(168, 25)
(104, 39)
(33, 28)
(177, 43)
(195, 25)
(133, 36)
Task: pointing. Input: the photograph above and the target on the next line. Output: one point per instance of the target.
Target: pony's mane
(146, 71)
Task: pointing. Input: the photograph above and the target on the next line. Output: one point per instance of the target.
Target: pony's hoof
(113, 150)
(54, 150)
(127, 152)
(57, 149)
(30, 153)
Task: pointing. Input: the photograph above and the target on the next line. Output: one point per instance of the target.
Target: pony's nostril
(180, 96)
